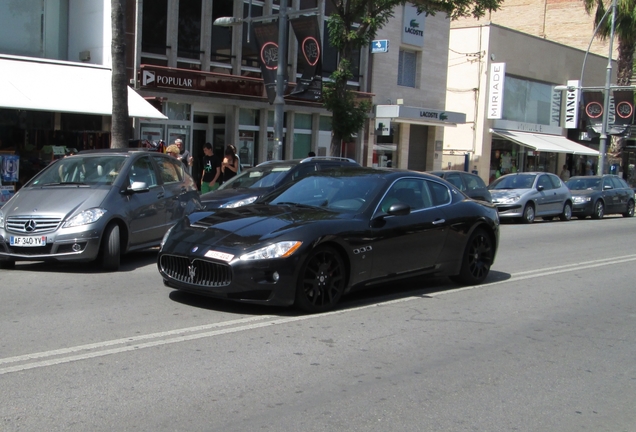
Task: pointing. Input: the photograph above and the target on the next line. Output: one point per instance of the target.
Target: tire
(476, 260)
(630, 209)
(321, 281)
(7, 265)
(528, 214)
(110, 253)
(566, 214)
(599, 210)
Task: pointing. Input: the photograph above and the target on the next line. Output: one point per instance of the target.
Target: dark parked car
(597, 196)
(96, 205)
(255, 182)
(471, 184)
(329, 233)
(529, 195)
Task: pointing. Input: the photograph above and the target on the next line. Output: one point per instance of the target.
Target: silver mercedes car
(96, 205)
(528, 195)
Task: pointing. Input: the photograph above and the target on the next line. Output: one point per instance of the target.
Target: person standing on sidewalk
(184, 155)
(211, 176)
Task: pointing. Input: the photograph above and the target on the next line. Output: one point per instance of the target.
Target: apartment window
(221, 44)
(189, 38)
(154, 27)
(250, 56)
(406, 68)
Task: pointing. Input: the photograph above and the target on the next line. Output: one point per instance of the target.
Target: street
(546, 344)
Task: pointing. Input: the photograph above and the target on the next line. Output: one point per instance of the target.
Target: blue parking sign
(379, 46)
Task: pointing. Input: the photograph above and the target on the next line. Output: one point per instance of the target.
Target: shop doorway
(198, 139)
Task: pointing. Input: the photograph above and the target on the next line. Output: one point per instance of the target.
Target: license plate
(27, 241)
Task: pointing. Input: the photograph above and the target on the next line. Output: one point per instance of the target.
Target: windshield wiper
(65, 183)
(295, 204)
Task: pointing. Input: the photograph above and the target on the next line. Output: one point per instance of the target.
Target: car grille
(197, 272)
(32, 224)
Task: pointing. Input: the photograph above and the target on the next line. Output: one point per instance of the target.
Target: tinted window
(142, 171)
(258, 177)
(456, 180)
(302, 170)
(616, 182)
(439, 193)
(474, 182)
(91, 170)
(413, 192)
(545, 182)
(607, 182)
(556, 182)
(171, 171)
(516, 181)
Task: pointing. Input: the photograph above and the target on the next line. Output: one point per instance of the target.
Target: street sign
(379, 46)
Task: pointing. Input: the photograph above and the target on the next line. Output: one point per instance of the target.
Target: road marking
(133, 343)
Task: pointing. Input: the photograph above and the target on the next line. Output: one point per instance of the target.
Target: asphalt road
(547, 344)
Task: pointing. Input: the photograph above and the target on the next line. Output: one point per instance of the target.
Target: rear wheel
(110, 248)
(599, 210)
(566, 214)
(630, 209)
(477, 259)
(528, 214)
(321, 281)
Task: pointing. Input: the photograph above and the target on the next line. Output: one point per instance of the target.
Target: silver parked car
(529, 195)
(96, 205)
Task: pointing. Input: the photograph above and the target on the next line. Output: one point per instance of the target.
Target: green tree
(120, 119)
(625, 32)
(352, 26)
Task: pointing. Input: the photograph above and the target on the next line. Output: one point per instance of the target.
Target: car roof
(125, 150)
(309, 159)
(442, 172)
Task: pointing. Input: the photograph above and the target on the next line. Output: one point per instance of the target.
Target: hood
(215, 199)
(584, 192)
(244, 227)
(60, 201)
(506, 193)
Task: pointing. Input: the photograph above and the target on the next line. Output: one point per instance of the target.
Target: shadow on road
(376, 295)
(129, 262)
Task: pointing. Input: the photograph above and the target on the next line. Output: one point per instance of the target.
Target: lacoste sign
(413, 26)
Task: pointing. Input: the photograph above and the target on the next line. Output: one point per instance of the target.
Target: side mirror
(137, 187)
(607, 187)
(399, 209)
(540, 188)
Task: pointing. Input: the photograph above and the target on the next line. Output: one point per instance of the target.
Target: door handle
(439, 221)
(160, 195)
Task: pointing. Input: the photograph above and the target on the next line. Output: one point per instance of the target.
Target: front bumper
(509, 210)
(271, 282)
(80, 244)
(584, 209)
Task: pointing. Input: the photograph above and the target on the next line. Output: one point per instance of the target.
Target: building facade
(505, 81)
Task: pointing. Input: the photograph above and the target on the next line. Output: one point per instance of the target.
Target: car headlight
(86, 217)
(1, 219)
(508, 200)
(276, 250)
(581, 199)
(165, 237)
(239, 203)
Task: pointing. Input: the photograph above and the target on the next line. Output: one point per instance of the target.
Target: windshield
(589, 183)
(515, 181)
(87, 170)
(258, 177)
(337, 192)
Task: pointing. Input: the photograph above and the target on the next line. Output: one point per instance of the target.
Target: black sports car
(330, 233)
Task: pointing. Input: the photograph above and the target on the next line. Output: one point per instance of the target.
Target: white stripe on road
(60, 356)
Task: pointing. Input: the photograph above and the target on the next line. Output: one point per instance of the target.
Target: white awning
(45, 85)
(545, 142)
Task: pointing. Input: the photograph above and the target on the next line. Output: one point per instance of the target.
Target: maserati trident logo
(192, 271)
(30, 226)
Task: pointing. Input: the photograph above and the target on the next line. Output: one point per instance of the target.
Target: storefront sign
(383, 126)
(10, 168)
(208, 82)
(405, 113)
(572, 105)
(496, 90)
(413, 26)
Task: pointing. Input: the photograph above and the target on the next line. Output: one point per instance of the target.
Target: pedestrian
(211, 176)
(237, 157)
(565, 173)
(311, 154)
(230, 165)
(173, 150)
(184, 155)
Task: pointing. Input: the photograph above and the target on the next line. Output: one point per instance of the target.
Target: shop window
(247, 148)
(154, 27)
(178, 111)
(309, 4)
(407, 67)
(531, 102)
(248, 117)
(302, 121)
(325, 123)
(302, 145)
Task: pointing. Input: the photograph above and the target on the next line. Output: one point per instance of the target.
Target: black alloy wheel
(599, 210)
(477, 259)
(630, 209)
(321, 281)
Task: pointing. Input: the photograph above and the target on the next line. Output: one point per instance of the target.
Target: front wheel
(110, 248)
(566, 214)
(630, 209)
(478, 257)
(599, 210)
(321, 281)
(528, 214)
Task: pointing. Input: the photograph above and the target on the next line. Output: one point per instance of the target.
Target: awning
(45, 85)
(545, 142)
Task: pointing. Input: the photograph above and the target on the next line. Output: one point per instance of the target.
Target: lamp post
(608, 77)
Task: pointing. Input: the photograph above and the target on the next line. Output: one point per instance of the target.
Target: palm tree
(119, 126)
(625, 31)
